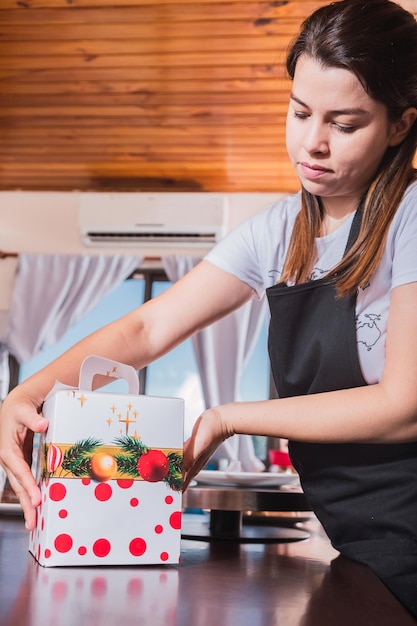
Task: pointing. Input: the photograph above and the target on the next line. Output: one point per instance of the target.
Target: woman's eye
(345, 129)
(300, 116)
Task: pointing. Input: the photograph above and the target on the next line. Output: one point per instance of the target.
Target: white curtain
(222, 351)
(53, 292)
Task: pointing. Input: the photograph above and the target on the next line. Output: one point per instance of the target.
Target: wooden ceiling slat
(132, 61)
(161, 11)
(209, 109)
(156, 168)
(261, 120)
(149, 46)
(147, 99)
(139, 30)
(216, 135)
(202, 153)
(24, 5)
(162, 75)
(155, 88)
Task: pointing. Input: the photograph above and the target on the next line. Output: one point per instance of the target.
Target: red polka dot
(82, 550)
(125, 483)
(103, 492)
(134, 502)
(134, 587)
(164, 556)
(42, 523)
(39, 552)
(175, 520)
(57, 492)
(63, 513)
(85, 481)
(137, 546)
(47, 553)
(101, 547)
(99, 586)
(159, 529)
(63, 543)
(59, 591)
(169, 500)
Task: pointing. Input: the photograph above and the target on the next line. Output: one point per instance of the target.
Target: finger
(27, 491)
(192, 465)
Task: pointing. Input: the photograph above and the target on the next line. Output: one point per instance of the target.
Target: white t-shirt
(255, 252)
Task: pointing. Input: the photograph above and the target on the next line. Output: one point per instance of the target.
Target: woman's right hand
(19, 419)
(209, 431)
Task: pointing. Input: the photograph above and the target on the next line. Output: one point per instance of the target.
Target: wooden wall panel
(158, 95)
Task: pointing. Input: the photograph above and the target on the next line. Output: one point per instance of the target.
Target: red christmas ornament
(53, 458)
(153, 466)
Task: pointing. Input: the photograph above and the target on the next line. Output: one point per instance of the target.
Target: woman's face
(336, 133)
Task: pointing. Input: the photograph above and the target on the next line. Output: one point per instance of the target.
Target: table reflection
(224, 583)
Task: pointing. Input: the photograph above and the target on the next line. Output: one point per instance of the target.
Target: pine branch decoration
(174, 476)
(127, 464)
(174, 481)
(132, 450)
(133, 446)
(175, 461)
(83, 468)
(77, 458)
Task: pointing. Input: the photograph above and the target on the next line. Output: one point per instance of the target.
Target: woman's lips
(313, 171)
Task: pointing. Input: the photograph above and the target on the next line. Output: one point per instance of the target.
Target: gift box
(110, 473)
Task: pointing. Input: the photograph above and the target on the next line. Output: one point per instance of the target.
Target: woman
(339, 264)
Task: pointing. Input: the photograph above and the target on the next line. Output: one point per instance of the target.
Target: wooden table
(225, 583)
(227, 507)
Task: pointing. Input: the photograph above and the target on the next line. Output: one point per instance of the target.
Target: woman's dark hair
(377, 41)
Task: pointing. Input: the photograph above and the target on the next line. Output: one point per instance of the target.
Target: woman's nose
(316, 139)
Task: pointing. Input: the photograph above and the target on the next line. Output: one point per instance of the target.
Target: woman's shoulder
(407, 209)
(284, 209)
(410, 194)
(275, 220)
(258, 243)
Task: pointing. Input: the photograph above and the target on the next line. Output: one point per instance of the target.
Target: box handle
(97, 365)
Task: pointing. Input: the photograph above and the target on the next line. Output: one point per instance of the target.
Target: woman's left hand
(208, 433)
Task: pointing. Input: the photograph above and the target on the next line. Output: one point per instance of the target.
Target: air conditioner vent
(155, 237)
(196, 220)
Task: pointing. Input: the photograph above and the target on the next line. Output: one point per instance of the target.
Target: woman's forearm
(364, 415)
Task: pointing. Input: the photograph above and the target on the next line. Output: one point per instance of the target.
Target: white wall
(47, 223)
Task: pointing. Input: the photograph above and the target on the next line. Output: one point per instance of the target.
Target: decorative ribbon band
(127, 458)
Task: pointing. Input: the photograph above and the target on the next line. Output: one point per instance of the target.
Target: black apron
(365, 495)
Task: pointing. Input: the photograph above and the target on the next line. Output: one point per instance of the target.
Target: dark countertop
(218, 583)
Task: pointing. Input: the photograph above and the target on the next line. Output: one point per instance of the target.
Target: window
(174, 374)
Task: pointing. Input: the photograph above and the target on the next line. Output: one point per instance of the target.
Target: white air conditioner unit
(152, 219)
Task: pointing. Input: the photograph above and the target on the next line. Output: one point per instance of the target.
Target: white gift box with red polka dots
(109, 469)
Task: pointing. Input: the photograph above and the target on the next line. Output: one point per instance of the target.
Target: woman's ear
(400, 129)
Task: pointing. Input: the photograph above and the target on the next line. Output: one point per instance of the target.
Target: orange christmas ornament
(103, 466)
